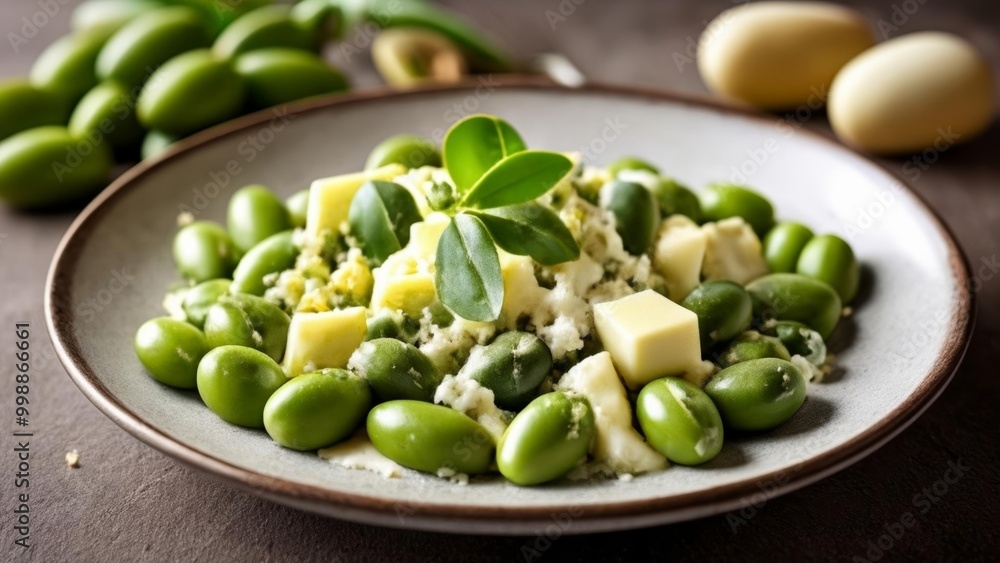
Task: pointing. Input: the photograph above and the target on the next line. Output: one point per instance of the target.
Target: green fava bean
(410, 151)
(724, 310)
(201, 297)
(276, 76)
(250, 321)
(145, 43)
(316, 16)
(676, 199)
(794, 297)
(429, 437)
(783, 245)
(753, 346)
(254, 214)
(298, 208)
(757, 394)
(191, 92)
(105, 113)
(380, 216)
(637, 214)
(680, 421)
(315, 410)
(801, 340)
(396, 370)
(235, 383)
(275, 254)
(170, 351)
(547, 439)
(222, 13)
(267, 26)
(204, 251)
(830, 259)
(513, 366)
(24, 106)
(156, 142)
(66, 68)
(111, 14)
(393, 324)
(46, 167)
(721, 201)
(631, 163)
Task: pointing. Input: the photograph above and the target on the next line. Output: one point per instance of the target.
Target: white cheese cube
(424, 236)
(733, 253)
(521, 293)
(330, 198)
(323, 340)
(409, 293)
(648, 336)
(678, 255)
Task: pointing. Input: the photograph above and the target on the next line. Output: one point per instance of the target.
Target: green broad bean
(24, 106)
(170, 351)
(429, 437)
(254, 214)
(724, 310)
(396, 370)
(200, 298)
(317, 16)
(148, 41)
(637, 214)
(315, 410)
(547, 439)
(298, 208)
(156, 142)
(680, 421)
(830, 259)
(222, 13)
(48, 167)
(273, 255)
(753, 346)
(236, 382)
(721, 201)
(267, 26)
(783, 245)
(204, 251)
(513, 366)
(677, 199)
(757, 394)
(801, 340)
(66, 67)
(191, 92)
(393, 324)
(380, 216)
(276, 76)
(631, 163)
(104, 112)
(410, 151)
(794, 297)
(249, 321)
(110, 14)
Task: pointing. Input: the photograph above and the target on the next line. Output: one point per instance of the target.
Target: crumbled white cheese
(73, 459)
(173, 304)
(733, 252)
(448, 347)
(359, 453)
(467, 396)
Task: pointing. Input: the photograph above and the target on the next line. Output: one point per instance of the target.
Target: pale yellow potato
(780, 55)
(323, 340)
(927, 90)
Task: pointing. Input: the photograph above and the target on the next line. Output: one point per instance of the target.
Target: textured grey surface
(127, 502)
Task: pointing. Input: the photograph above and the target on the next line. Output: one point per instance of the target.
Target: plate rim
(493, 519)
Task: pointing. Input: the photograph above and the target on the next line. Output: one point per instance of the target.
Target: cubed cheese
(648, 336)
(678, 255)
(324, 340)
(616, 442)
(521, 293)
(330, 198)
(409, 293)
(733, 252)
(424, 236)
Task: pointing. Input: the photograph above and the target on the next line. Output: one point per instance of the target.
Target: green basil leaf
(530, 229)
(519, 178)
(467, 275)
(474, 145)
(380, 217)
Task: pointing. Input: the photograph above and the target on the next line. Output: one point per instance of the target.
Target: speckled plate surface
(897, 351)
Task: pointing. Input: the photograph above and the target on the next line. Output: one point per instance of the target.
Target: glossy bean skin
(298, 208)
(191, 92)
(677, 199)
(67, 67)
(757, 394)
(637, 214)
(254, 214)
(104, 113)
(223, 13)
(801, 340)
(276, 76)
(315, 410)
(274, 254)
(409, 150)
(264, 27)
(429, 437)
(753, 347)
(235, 383)
(155, 142)
(547, 439)
(249, 321)
(317, 16)
(200, 298)
(204, 251)
(680, 421)
(24, 106)
(830, 259)
(145, 43)
(794, 297)
(110, 14)
(721, 201)
(513, 366)
(46, 167)
(170, 351)
(631, 163)
(724, 310)
(783, 245)
(396, 370)
(393, 324)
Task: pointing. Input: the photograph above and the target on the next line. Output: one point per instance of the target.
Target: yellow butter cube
(330, 198)
(648, 336)
(678, 255)
(324, 340)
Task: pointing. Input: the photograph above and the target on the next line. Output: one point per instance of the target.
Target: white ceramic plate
(897, 352)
